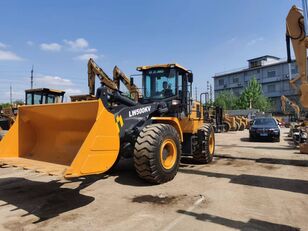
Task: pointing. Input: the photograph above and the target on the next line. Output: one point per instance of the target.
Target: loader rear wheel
(206, 147)
(157, 153)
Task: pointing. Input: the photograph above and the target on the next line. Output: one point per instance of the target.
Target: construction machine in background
(284, 101)
(296, 28)
(113, 84)
(89, 137)
(231, 123)
(32, 97)
(240, 122)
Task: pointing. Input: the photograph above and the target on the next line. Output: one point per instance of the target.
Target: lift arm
(284, 101)
(118, 76)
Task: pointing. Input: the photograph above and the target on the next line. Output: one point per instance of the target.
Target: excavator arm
(118, 76)
(295, 32)
(95, 70)
(285, 100)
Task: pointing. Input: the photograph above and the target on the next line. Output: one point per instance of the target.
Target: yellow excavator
(89, 136)
(285, 101)
(296, 28)
(113, 85)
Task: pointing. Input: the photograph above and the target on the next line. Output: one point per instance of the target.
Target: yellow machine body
(71, 139)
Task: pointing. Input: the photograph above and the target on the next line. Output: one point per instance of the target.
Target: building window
(271, 74)
(271, 88)
(221, 82)
(294, 70)
(255, 64)
(235, 80)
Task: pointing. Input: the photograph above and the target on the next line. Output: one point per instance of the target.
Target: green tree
(4, 105)
(227, 100)
(252, 97)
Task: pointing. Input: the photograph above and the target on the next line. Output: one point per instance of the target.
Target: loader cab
(43, 96)
(170, 83)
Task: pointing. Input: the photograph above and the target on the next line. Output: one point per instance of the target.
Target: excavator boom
(296, 32)
(118, 76)
(285, 100)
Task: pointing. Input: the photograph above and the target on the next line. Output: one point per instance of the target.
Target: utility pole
(211, 93)
(11, 94)
(196, 93)
(32, 77)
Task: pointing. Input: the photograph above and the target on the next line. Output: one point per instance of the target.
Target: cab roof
(45, 90)
(170, 65)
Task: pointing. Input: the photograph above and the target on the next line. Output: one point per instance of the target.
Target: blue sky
(206, 36)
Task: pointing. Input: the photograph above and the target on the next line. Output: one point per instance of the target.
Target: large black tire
(241, 127)
(205, 151)
(157, 153)
(226, 126)
(237, 126)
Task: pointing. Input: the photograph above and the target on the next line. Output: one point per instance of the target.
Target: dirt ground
(249, 186)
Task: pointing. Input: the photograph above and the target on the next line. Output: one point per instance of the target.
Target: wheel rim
(211, 143)
(168, 153)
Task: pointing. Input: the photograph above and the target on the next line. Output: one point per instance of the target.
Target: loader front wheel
(206, 145)
(157, 153)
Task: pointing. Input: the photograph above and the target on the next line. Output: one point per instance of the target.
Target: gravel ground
(249, 186)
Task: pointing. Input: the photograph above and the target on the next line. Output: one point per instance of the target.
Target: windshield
(159, 83)
(265, 121)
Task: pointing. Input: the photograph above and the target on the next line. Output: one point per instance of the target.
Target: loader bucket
(70, 139)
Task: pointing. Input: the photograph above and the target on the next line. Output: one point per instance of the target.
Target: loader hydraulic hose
(288, 48)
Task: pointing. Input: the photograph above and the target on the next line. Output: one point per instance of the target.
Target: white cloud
(91, 50)
(254, 41)
(30, 43)
(9, 56)
(78, 44)
(87, 56)
(53, 81)
(2, 45)
(51, 46)
(72, 91)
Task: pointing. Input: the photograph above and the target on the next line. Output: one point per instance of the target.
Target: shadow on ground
(291, 185)
(126, 175)
(252, 224)
(284, 147)
(290, 162)
(45, 200)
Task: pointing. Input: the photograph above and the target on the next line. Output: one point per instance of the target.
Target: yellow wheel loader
(231, 122)
(88, 137)
(33, 96)
(241, 124)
